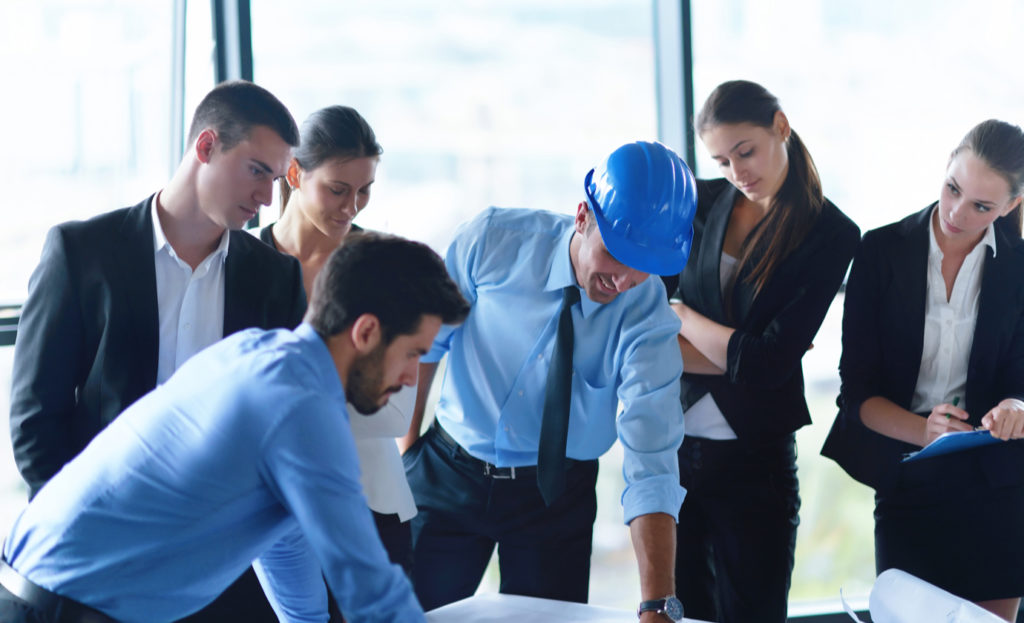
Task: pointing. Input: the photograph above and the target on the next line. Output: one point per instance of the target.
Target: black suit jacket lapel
(910, 281)
(136, 254)
(710, 259)
(996, 278)
(241, 285)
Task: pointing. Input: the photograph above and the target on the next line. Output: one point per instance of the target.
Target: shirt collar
(988, 239)
(160, 240)
(323, 362)
(562, 275)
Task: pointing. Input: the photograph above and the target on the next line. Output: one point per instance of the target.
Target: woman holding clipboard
(933, 342)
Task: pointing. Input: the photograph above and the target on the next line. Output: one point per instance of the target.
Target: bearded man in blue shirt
(534, 379)
(243, 455)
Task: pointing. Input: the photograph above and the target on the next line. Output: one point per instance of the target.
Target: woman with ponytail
(933, 342)
(327, 184)
(769, 254)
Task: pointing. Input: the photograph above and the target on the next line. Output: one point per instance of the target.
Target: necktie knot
(570, 296)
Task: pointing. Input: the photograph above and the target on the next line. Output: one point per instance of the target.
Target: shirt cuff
(657, 494)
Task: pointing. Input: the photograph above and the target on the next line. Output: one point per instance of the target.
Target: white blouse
(949, 325)
(382, 472)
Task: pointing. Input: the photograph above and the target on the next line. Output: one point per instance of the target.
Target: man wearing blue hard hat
(534, 382)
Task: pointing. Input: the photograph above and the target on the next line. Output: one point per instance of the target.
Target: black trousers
(737, 529)
(463, 513)
(14, 610)
(242, 601)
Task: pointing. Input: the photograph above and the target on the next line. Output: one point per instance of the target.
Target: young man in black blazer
(119, 301)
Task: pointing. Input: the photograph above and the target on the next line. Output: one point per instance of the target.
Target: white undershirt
(949, 326)
(704, 419)
(190, 303)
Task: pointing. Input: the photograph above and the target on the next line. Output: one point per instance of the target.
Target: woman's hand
(710, 339)
(946, 418)
(1006, 419)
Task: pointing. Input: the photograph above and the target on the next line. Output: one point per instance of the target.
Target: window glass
(880, 92)
(87, 105)
(477, 104)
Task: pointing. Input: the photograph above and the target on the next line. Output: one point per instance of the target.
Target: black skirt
(955, 521)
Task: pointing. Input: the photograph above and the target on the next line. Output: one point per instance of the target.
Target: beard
(365, 386)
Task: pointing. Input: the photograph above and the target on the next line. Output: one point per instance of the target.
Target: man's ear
(205, 144)
(292, 176)
(366, 333)
(582, 217)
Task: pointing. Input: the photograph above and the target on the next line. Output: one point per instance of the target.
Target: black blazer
(883, 338)
(88, 337)
(761, 393)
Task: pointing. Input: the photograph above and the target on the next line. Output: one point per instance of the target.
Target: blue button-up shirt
(512, 265)
(244, 454)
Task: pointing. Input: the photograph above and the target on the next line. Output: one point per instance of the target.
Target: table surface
(497, 608)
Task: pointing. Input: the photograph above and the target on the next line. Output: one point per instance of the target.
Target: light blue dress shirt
(244, 453)
(511, 265)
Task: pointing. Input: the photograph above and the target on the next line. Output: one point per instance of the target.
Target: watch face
(673, 608)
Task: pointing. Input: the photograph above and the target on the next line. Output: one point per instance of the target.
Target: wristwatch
(668, 606)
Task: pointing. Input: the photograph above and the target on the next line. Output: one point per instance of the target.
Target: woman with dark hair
(933, 342)
(769, 253)
(328, 183)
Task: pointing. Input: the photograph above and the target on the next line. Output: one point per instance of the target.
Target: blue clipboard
(953, 442)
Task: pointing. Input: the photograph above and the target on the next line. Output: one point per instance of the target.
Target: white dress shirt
(190, 303)
(949, 326)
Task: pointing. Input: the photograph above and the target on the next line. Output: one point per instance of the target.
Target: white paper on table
(492, 608)
(898, 597)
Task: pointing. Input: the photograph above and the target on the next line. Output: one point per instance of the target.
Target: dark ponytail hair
(799, 201)
(1001, 146)
(332, 132)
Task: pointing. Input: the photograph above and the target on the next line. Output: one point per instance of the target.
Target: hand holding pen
(947, 418)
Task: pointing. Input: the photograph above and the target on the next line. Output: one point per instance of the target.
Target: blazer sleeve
(770, 357)
(860, 365)
(47, 367)
(868, 457)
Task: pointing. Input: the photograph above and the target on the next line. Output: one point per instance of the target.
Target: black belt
(488, 469)
(52, 605)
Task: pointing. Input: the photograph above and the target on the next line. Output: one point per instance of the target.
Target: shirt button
(520, 393)
(539, 357)
(188, 325)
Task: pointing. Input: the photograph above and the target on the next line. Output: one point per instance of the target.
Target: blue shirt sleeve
(650, 425)
(460, 258)
(291, 578)
(310, 464)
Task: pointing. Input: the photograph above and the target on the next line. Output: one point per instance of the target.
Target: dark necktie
(554, 427)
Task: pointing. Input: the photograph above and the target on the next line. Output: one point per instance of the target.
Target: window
(87, 109)
(477, 104)
(880, 92)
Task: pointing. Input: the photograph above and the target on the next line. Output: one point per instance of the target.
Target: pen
(956, 401)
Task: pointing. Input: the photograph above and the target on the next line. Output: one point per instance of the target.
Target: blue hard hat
(644, 197)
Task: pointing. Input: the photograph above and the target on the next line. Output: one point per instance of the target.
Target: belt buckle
(491, 471)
